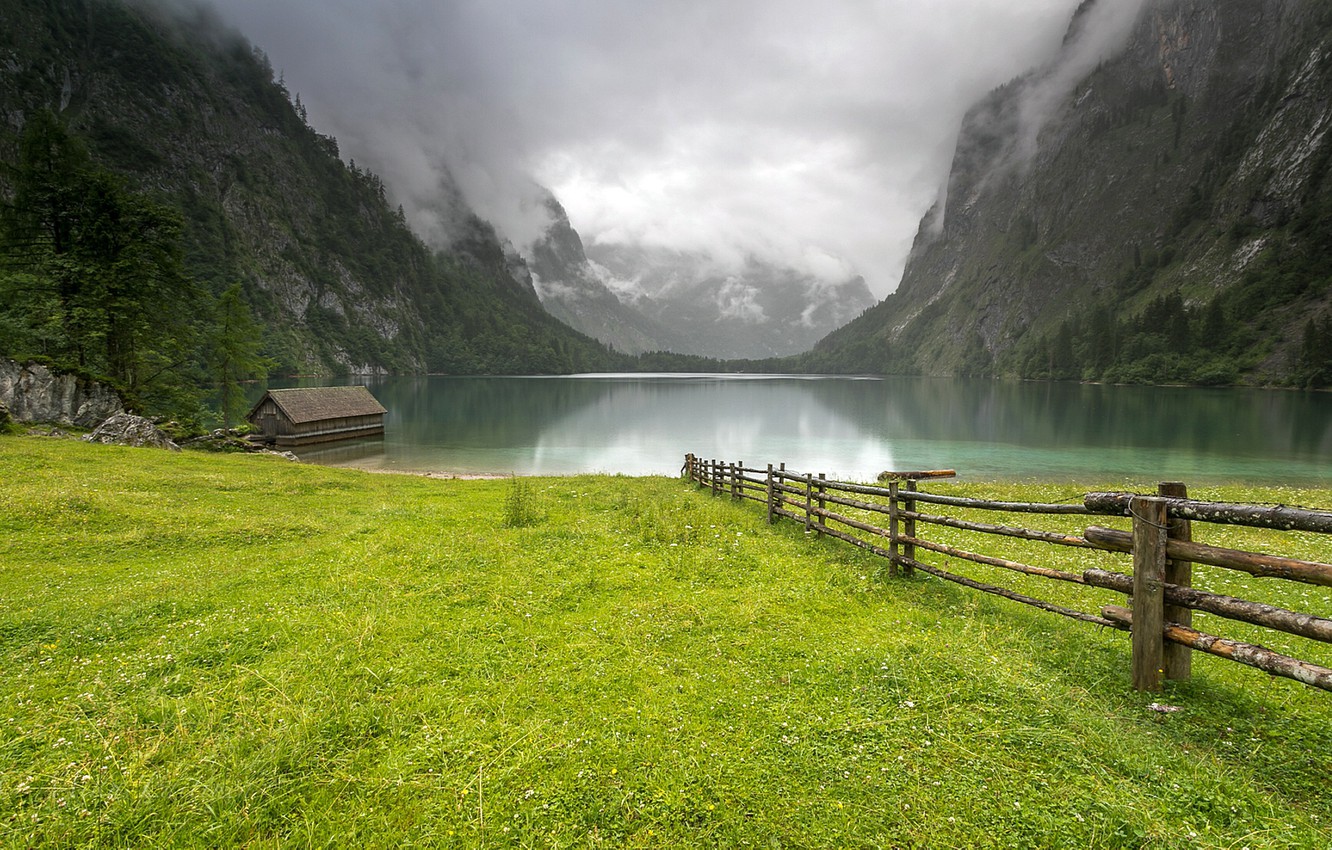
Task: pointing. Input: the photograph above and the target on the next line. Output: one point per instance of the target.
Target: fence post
(895, 566)
(909, 549)
(735, 480)
(1149, 563)
(823, 503)
(716, 476)
(771, 492)
(1178, 657)
(809, 500)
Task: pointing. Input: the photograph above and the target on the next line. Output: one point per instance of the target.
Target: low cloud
(815, 136)
(1095, 36)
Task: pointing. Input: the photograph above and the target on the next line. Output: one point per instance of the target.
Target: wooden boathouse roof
(312, 404)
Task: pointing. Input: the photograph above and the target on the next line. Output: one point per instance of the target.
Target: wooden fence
(1161, 598)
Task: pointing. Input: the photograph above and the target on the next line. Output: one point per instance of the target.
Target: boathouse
(299, 417)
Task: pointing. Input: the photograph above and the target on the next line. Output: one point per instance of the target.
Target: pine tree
(236, 344)
(95, 270)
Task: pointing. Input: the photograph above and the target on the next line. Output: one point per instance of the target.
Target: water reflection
(847, 427)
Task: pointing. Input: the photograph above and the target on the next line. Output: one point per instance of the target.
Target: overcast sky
(813, 134)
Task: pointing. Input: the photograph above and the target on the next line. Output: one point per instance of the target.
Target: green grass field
(214, 650)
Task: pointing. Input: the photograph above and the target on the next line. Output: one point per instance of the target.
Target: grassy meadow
(218, 650)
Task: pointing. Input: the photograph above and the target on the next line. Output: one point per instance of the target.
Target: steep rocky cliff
(639, 299)
(30, 392)
(193, 115)
(574, 291)
(1154, 211)
(752, 310)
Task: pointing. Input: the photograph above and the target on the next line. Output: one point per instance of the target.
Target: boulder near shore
(126, 429)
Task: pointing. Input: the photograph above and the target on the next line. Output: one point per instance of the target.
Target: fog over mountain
(811, 136)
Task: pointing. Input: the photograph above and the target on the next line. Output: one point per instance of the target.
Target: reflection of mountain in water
(1222, 422)
(484, 412)
(639, 424)
(755, 420)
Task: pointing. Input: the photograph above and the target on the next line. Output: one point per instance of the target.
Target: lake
(849, 428)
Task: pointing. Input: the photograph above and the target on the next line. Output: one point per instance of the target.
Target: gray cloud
(815, 135)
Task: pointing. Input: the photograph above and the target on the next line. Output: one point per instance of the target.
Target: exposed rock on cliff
(642, 299)
(32, 393)
(574, 292)
(1176, 179)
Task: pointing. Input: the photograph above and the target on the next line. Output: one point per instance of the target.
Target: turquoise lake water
(848, 428)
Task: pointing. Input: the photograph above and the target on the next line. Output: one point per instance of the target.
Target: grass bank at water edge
(204, 650)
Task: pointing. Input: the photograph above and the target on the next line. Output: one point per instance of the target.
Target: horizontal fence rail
(887, 521)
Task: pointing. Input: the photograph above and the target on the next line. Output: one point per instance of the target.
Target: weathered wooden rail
(1161, 598)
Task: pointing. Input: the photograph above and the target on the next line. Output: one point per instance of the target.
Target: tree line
(92, 281)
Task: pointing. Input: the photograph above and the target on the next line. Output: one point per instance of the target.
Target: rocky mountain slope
(192, 115)
(640, 299)
(574, 290)
(1158, 213)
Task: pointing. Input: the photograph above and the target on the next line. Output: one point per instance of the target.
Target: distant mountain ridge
(639, 299)
(1161, 215)
(574, 291)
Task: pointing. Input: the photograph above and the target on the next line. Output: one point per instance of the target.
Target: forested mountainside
(1164, 215)
(184, 122)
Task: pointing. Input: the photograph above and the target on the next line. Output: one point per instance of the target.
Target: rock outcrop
(126, 429)
(33, 393)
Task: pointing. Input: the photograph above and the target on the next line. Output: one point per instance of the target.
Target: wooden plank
(823, 504)
(1002, 563)
(1006, 507)
(770, 495)
(951, 551)
(917, 476)
(1258, 613)
(1279, 517)
(909, 529)
(1253, 563)
(1178, 572)
(1056, 537)
(966, 502)
(1016, 597)
(1149, 560)
(809, 498)
(1249, 654)
(893, 518)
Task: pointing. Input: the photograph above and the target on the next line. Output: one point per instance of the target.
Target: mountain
(758, 310)
(190, 115)
(639, 299)
(1152, 206)
(573, 290)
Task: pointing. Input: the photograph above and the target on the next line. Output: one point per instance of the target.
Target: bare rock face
(33, 393)
(126, 429)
